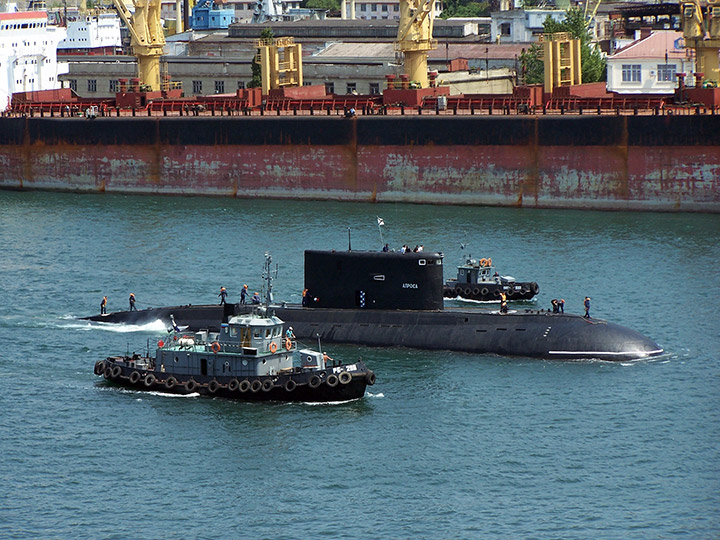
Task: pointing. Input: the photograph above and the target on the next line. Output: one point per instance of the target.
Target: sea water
(445, 445)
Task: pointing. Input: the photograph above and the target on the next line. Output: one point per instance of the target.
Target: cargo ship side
(663, 163)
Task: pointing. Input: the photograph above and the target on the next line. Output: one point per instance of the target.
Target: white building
(649, 65)
(520, 25)
(364, 9)
(28, 54)
(92, 34)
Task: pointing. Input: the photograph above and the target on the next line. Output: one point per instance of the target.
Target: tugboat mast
(267, 275)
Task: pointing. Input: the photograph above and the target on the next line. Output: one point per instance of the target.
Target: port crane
(147, 39)
(701, 31)
(414, 38)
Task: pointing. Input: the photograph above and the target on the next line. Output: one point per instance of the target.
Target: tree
(465, 8)
(327, 5)
(256, 81)
(594, 65)
(532, 65)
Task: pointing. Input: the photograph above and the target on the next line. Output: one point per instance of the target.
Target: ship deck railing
(363, 105)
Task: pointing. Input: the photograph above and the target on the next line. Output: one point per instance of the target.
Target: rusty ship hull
(664, 163)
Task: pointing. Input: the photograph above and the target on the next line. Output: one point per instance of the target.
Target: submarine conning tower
(374, 280)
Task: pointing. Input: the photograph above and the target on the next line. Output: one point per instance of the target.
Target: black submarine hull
(534, 334)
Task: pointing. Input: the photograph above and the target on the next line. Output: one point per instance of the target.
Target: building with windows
(650, 65)
(520, 25)
(28, 54)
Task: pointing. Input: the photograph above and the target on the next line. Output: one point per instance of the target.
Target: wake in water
(73, 323)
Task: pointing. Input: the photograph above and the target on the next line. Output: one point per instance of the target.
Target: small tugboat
(478, 280)
(249, 359)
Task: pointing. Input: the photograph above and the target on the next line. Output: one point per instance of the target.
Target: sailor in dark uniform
(222, 295)
(503, 302)
(243, 294)
(132, 302)
(561, 305)
(587, 307)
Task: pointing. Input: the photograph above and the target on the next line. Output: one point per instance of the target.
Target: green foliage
(594, 65)
(256, 81)
(328, 5)
(465, 8)
(532, 65)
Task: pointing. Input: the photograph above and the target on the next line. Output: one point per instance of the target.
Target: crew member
(587, 307)
(243, 294)
(555, 305)
(289, 334)
(103, 306)
(174, 326)
(256, 298)
(561, 305)
(305, 298)
(503, 302)
(326, 358)
(132, 302)
(222, 295)
(386, 248)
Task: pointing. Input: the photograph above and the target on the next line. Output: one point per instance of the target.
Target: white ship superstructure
(28, 54)
(92, 34)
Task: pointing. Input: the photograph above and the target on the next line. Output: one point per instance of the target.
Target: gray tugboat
(250, 358)
(479, 280)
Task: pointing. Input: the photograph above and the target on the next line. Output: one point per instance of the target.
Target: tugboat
(249, 359)
(479, 280)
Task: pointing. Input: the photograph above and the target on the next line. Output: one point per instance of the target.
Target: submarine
(391, 299)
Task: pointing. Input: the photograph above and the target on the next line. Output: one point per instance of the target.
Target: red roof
(23, 15)
(656, 45)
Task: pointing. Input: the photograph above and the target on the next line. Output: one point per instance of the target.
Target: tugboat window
(203, 366)
(422, 262)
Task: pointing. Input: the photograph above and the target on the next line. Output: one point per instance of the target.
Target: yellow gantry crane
(414, 37)
(146, 38)
(702, 33)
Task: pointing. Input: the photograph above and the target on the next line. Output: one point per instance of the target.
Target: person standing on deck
(243, 294)
(103, 306)
(587, 307)
(222, 295)
(132, 302)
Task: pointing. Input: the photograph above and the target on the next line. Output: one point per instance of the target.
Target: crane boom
(147, 38)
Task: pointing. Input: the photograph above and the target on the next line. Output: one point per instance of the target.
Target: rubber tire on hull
(332, 380)
(171, 383)
(99, 367)
(213, 386)
(233, 385)
(149, 380)
(267, 385)
(134, 377)
(314, 381)
(191, 385)
(255, 386)
(345, 377)
(244, 386)
(289, 385)
(370, 378)
(108, 372)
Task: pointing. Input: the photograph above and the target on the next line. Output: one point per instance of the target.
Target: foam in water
(155, 326)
